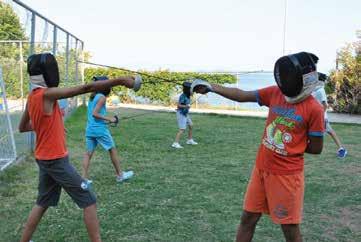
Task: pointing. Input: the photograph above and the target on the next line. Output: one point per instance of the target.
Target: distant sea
(248, 82)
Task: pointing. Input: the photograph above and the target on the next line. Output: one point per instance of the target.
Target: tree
(346, 79)
(10, 27)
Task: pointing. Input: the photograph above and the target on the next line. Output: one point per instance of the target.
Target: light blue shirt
(321, 97)
(96, 127)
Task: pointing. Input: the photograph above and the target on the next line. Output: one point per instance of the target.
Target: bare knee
(36, 213)
(114, 154)
(249, 219)
(292, 232)
(88, 154)
(40, 209)
(112, 151)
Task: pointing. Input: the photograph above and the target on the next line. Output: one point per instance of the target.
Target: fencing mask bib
(296, 76)
(43, 70)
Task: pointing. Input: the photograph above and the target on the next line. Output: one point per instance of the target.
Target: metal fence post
(55, 32)
(76, 62)
(31, 135)
(32, 34)
(238, 79)
(67, 58)
(21, 75)
(82, 68)
(76, 68)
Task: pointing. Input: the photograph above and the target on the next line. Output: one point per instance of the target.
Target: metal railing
(41, 35)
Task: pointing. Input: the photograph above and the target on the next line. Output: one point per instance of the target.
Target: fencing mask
(43, 70)
(296, 76)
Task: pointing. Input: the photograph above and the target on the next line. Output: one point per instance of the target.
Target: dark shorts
(57, 174)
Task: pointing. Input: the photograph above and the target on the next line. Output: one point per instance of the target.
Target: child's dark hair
(105, 92)
(187, 88)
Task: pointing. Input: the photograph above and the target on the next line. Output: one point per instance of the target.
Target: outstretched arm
(235, 94)
(25, 124)
(232, 93)
(56, 93)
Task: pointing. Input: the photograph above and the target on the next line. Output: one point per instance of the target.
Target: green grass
(194, 194)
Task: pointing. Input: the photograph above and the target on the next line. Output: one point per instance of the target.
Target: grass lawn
(194, 194)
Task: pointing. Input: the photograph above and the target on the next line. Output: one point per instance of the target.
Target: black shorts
(57, 174)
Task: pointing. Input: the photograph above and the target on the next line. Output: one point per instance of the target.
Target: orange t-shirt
(49, 128)
(286, 133)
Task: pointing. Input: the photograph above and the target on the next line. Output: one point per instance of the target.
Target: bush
(154, 88)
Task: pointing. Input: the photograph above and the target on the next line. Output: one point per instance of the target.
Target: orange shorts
(281, 196)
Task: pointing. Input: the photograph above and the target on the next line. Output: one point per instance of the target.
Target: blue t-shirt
(184, 100)
(96, 127)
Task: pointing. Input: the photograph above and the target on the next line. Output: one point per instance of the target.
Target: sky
(205, 35)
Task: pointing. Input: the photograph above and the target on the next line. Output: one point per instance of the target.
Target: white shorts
(183, 121)
(328, 126)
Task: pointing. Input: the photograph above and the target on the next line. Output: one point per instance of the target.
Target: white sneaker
(177, 145)
(191, 142)
(126, 175)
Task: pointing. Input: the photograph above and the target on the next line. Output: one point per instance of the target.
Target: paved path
(15, 105)
(333, 117)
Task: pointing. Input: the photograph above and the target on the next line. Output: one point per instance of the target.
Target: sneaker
(177, 145)
(342, 152)
(191, 142)
(126, 175)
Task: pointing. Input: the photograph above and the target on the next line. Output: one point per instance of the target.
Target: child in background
(42, 115)
(1, 102)
(97, 132)
(63, 105)
(183, 117)
(321, 97)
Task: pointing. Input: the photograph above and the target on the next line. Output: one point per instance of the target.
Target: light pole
(284, 29)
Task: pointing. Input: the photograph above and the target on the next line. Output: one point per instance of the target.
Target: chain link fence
(38, 34)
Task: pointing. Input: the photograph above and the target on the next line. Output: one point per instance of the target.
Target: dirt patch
(329, 233)
(350, 217)
(351, 170)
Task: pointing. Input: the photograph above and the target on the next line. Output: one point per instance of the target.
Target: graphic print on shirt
(278, 132)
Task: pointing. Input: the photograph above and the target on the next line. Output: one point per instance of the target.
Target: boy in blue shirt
(321, 97)
(97, 132)
(183, 118)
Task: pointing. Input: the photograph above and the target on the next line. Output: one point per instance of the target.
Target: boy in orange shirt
(43, 116)
(295, 125)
